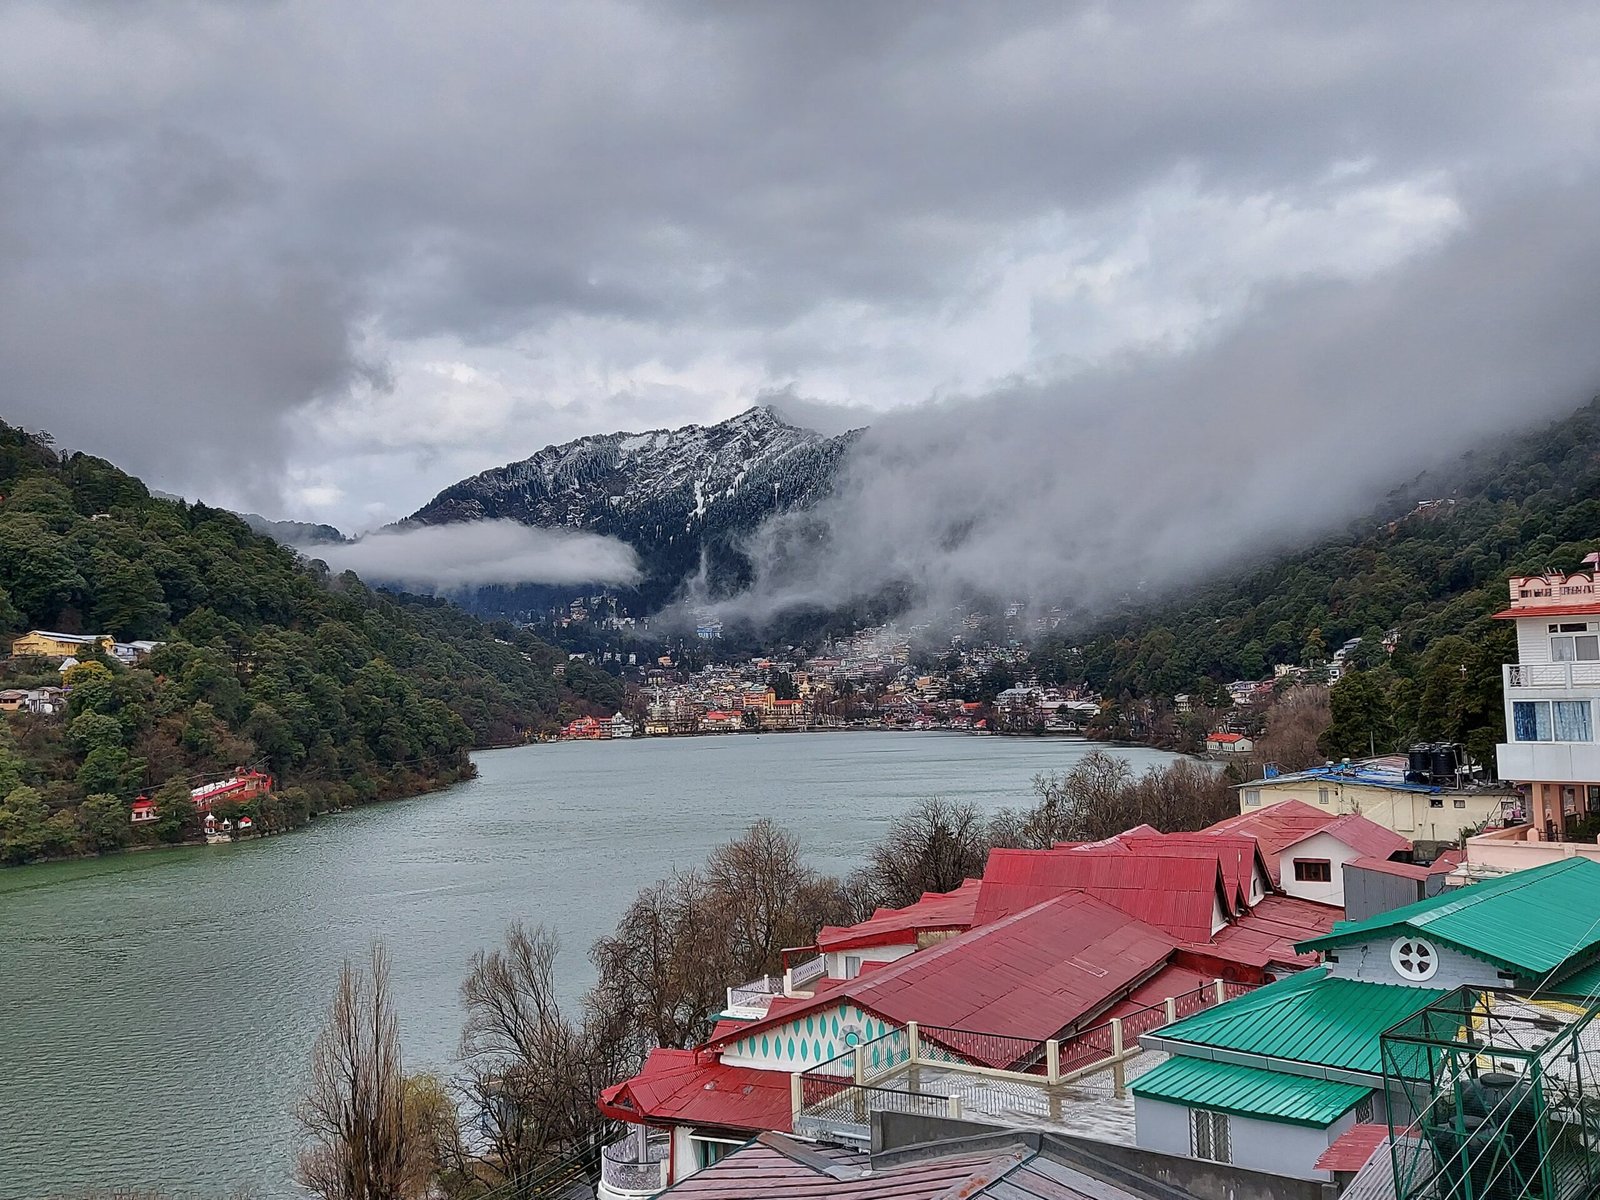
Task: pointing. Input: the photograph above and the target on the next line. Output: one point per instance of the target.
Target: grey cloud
(1166, 469)
(439, 558)
(208, 210)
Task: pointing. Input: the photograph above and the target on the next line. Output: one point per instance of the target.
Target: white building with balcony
(1550, 695)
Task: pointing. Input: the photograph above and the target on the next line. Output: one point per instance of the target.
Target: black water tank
(1419, 763)
(1444, 763)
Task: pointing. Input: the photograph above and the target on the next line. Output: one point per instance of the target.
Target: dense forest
(343, 693)
(1430, 564)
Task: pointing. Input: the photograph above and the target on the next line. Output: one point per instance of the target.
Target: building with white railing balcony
(1550, 695)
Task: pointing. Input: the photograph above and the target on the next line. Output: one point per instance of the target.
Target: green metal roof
(1530, 922)
(1250, 1092)
(1307, 1018)
(1585, 981)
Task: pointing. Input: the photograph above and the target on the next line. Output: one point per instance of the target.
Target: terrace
(1076, 1085)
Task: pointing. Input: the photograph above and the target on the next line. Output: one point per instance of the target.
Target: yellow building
(44, 644)
(1379, 792)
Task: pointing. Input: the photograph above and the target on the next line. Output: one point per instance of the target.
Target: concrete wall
(1410, 814)
(1160, 1126)
(867, 954)
(1275, 1147)
(1370, 962)
(1317, 846)
(1520, 848)
(1369, 892)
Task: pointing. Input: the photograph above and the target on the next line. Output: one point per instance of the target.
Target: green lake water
(157, 1009)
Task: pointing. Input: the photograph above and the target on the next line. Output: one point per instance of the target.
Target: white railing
(797, 977)
(755, 996)
(1552, 675)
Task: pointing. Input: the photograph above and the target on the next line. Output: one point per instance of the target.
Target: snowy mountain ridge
(678, 496)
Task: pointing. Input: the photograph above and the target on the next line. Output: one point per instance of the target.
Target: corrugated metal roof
(1575, 609)
(683, 1086)
(1179, 895)
(1307, 1018)
(1353, 1148)
(1365, 836)
(1531, 922)
(1029, 975)
(900, 926)
(1250, 1092)
(1270, 931)
(1274, 826)
(1384, 866)
(776, 1168)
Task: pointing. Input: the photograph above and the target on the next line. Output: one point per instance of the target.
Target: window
(1552, 721)
(852, 965)
(1313, 870)
(1252, 795)
(1583, 647)
(1364, 1110)
(1322, 795)
(1461, 801)
(1208, 1135)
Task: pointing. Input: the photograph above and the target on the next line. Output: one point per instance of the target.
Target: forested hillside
(344, 693)
(1432, 572)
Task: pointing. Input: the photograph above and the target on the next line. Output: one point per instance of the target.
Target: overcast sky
(321, 260)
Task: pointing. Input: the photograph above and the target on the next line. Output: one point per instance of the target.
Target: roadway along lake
(157, 1010)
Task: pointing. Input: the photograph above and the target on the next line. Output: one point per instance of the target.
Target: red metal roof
(1275, 826)
(1239, 856)
(1365, 836)
(1403, 870)
(1026, 975)
(691, 1088)
(1224, 737)
(1179, 895)
(1353, 1148)
(1587, 608)
(936, 911)
(1267, 933)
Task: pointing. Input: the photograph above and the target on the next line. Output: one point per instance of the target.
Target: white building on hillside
(1550, 693)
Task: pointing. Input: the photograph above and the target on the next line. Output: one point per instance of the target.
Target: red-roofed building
(1305, 847)
(892, 933)
(144, 811)
(1183, 895)
(1229, 743)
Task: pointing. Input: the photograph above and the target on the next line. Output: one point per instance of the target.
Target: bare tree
(354, 1112)
(1296, 720)
(934, 847)
(664, 971)
(529, 1074)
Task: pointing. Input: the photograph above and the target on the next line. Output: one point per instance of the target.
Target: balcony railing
(835, 1100)
(801, 975)
(631, 1172)
(1553, 675)
(753, 998)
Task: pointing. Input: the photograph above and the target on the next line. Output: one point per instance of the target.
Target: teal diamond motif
(803, 1050)
(791, 1047)
(811, 1025)
(765, 1049)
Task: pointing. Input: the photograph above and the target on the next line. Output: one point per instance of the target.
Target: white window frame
(1252, 796)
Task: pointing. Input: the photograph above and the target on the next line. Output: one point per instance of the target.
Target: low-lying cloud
(446, 558)
(1168, 468)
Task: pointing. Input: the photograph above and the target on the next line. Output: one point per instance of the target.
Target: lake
(157, 1009)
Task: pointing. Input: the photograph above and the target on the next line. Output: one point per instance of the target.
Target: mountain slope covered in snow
(680, 497)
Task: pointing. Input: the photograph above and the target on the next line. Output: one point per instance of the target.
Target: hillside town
(1332, 992)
